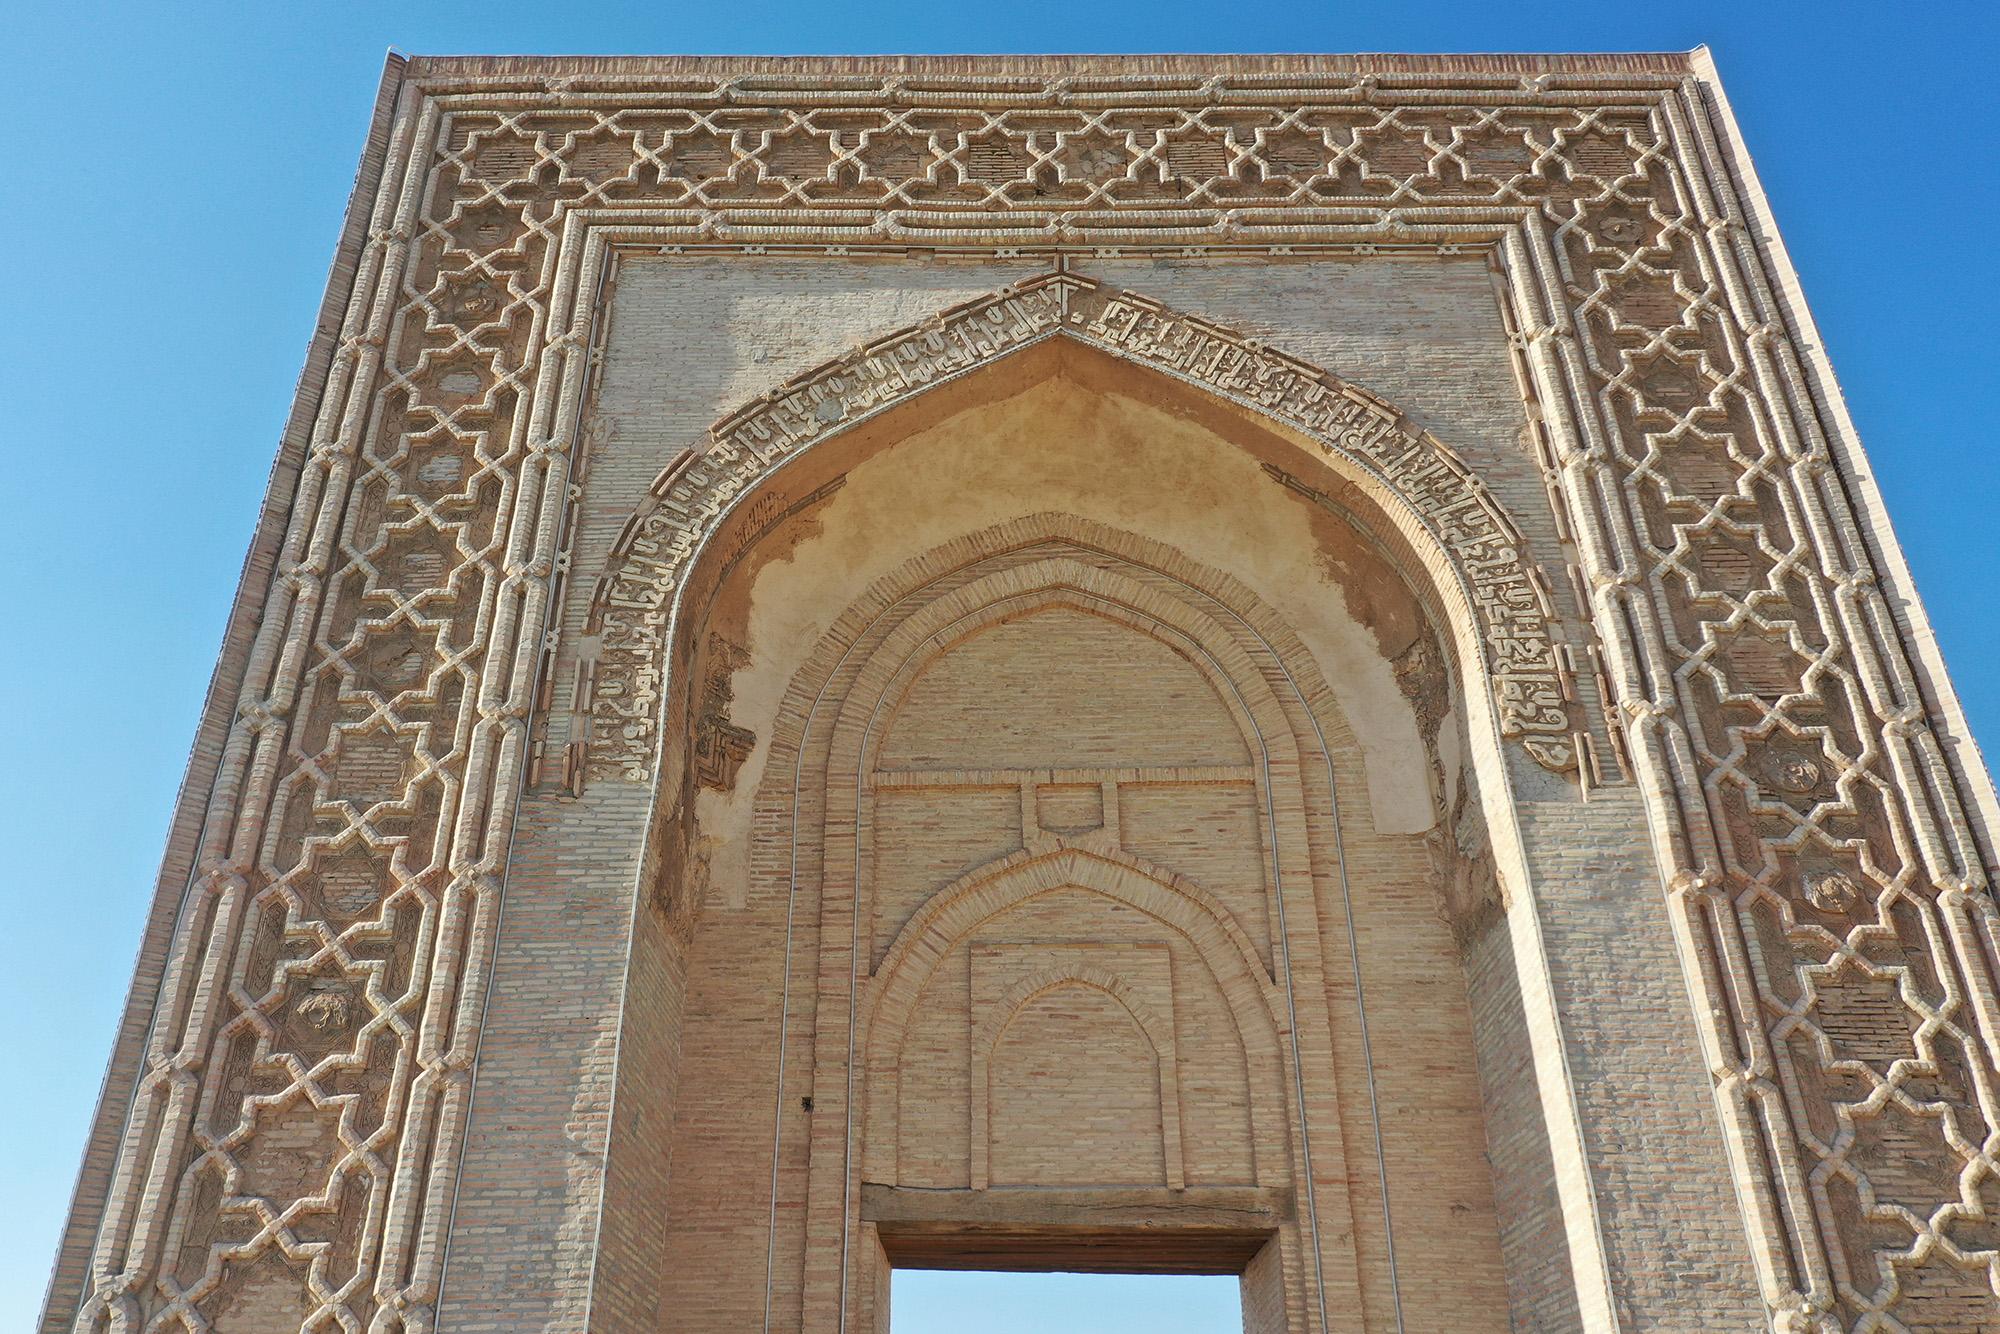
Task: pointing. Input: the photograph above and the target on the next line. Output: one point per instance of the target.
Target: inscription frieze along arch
(1360, 434)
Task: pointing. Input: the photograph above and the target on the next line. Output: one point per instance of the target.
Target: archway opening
(1067, 810)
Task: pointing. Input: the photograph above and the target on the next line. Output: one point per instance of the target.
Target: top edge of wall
(1192, 65)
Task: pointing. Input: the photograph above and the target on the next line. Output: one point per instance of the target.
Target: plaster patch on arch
(1440, 504)
(967, 485)
(867, 529)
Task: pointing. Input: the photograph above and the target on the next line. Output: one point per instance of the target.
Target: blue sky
(175, 179)
(931, 1302)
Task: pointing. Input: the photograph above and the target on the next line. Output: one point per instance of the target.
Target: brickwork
(999, 925)
(857, 661)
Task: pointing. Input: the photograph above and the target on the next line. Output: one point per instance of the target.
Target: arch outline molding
(1439, 500)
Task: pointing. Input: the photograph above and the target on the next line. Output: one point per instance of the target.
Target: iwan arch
(1268, 667)
(1006, 778)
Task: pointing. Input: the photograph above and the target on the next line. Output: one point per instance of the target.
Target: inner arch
(995, 515)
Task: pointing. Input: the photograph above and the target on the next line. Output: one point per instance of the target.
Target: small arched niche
(1071, 853)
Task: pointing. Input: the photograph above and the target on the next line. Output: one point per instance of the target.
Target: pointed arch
(1173, 900)
(1255, 1002)
(679, 567)
(1155, 1028)
(865, 660)
(1262, 1085)
(1501, 617)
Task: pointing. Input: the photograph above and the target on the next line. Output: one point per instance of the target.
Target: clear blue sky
(175, 176)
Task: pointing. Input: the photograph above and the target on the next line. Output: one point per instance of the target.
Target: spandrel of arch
(1456, 524)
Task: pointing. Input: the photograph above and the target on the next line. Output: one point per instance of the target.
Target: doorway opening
(941, 1301)
(1204, 1260)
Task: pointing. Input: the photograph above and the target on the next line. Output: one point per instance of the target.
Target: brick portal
(1266, 665)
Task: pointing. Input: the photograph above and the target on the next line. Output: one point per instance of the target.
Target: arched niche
(1361, 726)
(1253, 1003)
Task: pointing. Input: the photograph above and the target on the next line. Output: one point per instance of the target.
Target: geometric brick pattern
(289, 1146)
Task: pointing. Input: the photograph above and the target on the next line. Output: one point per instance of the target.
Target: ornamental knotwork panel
(1830, 900)
(1099, 145)
(631, 606)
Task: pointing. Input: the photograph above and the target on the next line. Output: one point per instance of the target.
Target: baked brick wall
(686, 343)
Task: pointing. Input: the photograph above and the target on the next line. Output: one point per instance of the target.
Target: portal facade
(1277, 666)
